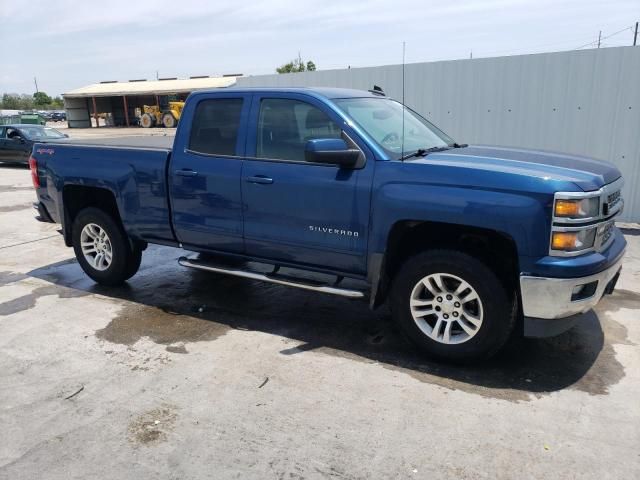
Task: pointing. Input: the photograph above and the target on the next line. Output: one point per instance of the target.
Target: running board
(272, 278)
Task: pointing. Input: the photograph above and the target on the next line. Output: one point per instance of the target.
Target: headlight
(573, 241)
(577, 208)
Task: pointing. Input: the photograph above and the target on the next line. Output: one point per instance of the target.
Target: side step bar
(272, 278)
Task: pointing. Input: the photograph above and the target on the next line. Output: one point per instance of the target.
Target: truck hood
(586, 173)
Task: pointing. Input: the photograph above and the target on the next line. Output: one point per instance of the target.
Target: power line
(543, 45)
(604, 38)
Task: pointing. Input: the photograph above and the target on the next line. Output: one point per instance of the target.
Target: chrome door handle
(261, 179)
(185, 173)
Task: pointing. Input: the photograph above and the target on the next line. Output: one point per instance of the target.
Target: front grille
(604, 234)
(611, 201)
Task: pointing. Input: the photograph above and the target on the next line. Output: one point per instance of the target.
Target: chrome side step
(272, 278)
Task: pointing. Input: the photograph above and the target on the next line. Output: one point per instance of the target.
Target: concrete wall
(585, 102)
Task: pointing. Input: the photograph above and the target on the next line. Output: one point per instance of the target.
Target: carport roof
(151, 87)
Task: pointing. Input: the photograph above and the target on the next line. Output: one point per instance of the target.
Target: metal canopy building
(119, 100)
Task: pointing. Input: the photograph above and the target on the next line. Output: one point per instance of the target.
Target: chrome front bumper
(551, 298)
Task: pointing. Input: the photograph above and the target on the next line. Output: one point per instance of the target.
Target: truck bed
(135, 176)
(137, 141)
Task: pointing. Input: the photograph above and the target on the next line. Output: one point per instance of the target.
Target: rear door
(204, 173)
(299, 212)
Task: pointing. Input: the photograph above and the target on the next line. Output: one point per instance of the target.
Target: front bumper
(552, 305)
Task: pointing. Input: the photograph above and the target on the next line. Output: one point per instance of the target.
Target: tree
(26, 102)
(11, 101)
(57, 103)
(14, 101)
(296, 65)
(41, 99)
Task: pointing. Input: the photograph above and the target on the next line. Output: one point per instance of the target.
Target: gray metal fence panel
(584, 102)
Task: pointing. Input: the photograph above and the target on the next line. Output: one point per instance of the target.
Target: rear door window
(215, 127)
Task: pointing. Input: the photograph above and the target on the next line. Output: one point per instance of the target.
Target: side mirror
(19, 139)
(334, 151)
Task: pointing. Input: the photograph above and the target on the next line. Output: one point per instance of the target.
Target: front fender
(522, 217)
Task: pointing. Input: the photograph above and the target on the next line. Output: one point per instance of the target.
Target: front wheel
(452, 306)
(169, 121)
(103, 249)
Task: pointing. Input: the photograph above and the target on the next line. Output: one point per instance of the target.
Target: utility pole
(471, 55)
(599, 37)
(35, 80)
(635, 35)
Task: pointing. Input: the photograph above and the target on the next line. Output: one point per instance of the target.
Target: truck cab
(461, 241)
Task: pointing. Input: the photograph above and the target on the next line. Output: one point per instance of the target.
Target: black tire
(147, 120)
(499, 306)
(134, 262)
(125, 259)
(169, 121)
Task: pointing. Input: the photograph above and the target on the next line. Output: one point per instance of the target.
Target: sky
(67, 44)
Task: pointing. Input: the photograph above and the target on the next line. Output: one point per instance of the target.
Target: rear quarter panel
(135, 176)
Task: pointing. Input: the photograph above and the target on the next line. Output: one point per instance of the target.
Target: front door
(299, 212)
(3, 143)
(204, 174)
(14, 147)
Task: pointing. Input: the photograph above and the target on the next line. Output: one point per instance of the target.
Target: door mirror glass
(334, 151)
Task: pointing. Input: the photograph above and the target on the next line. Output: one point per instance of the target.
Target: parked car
(59, 116)
(462, 241)
(16, 141)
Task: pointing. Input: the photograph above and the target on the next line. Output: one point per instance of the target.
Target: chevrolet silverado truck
(350, 193)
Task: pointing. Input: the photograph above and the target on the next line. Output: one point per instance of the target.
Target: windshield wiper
(458, 145)
(421, 152)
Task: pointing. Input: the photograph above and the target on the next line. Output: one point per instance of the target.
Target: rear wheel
(133, 265)
(103, 249)
(146, 120)
(452, 306)
(169, 121)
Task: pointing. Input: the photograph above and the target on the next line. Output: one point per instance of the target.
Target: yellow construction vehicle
(153, 115)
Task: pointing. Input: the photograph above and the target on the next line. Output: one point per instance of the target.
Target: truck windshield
(381, 118)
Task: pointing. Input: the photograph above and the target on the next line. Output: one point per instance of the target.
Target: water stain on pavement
(152, 427)
(135, 321)
(621, 299)
(10, 188)
(11, 277)
(174, 306)
(177, 349)
(25, 302)
(14, 208)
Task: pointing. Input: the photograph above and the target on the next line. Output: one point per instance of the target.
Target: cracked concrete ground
(182, 374)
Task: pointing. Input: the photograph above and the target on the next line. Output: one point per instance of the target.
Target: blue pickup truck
(349, 193)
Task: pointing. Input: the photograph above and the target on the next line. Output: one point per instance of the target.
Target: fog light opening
(586, 290)
(576, 290)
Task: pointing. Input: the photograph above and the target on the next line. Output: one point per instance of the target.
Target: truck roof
(324, 92)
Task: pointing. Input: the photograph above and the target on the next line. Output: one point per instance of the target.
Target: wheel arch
(77, 197)
(498, 250)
